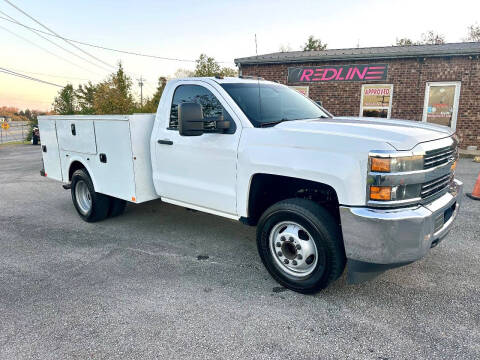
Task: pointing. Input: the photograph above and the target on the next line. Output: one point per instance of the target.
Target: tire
(117, 207)
(90, 205)
(301, 245)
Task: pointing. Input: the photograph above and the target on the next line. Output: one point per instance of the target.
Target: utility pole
(141, 83)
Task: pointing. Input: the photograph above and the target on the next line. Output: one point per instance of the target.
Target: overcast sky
(184, 29)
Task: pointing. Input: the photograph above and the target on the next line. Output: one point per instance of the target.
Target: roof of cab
(223, 80)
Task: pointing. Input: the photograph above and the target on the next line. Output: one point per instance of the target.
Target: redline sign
(362, 72)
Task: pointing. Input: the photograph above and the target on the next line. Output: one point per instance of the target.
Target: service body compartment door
(113, 166)
(77, 135)
(50, 153)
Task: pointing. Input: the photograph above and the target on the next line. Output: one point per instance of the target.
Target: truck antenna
(258, 80)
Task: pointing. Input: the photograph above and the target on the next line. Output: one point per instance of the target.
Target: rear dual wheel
(90, 205)
(300, 244)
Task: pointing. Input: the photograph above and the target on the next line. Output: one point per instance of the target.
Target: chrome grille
(438, 157)
(435, 187)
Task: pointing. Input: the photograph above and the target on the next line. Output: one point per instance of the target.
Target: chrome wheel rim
(83, 196)
(293, 249)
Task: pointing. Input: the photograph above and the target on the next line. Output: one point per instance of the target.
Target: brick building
(434, 83)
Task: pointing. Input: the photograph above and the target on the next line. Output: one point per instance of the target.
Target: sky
(184, 29)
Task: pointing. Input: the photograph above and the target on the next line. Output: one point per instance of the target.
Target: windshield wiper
(273, 123)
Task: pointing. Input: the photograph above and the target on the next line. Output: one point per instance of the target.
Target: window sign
(376, 100)
(441, 103)
(301, 89)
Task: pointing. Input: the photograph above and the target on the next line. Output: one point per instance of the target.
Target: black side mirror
(190, 119)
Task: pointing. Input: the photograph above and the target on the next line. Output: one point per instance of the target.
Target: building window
(441, 103)
(376, 100)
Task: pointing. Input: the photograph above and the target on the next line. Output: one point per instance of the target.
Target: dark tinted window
(212, 109)
(265, 103)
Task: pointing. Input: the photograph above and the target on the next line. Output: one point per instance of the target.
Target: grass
(19, 142)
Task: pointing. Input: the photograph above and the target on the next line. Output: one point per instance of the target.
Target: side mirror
(190, 119)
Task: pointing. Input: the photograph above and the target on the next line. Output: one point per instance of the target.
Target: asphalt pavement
(168, 283)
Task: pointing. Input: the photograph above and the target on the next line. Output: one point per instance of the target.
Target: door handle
(165, 142)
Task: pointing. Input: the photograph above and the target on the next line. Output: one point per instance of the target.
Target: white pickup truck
(323, 191)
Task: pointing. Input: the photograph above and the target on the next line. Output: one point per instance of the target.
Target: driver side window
(211, 107)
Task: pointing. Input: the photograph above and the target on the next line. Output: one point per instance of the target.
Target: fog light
(380, 193)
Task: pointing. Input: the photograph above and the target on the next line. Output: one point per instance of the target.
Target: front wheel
(300, 244)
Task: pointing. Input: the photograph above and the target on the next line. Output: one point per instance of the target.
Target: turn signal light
(380, 165)
(454, 166)
(380, 193)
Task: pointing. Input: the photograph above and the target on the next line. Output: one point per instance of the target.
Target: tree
(473, 33)
(114, 95)
(284, 48)
(313, 44)
(183, 73)
(85, 95)
(152, 104)
(229, 72)
(208, 66)
(405, 42)
(64, 103)
(432, 38)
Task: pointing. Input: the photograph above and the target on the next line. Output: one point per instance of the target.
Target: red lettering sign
(360, 72)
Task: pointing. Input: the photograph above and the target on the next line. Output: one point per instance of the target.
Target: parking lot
(164, 282)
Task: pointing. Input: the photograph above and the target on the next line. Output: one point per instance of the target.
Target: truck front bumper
(379, 239)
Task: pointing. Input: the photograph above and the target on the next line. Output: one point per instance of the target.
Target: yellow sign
(5, 126)
(376, 100)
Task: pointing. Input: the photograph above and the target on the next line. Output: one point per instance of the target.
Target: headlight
(396, 164)
(392, 165)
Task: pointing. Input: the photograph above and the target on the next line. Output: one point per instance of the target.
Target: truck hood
(401, 134)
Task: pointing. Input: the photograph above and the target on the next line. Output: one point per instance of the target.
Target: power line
(46, 50)
(108, 48)
(51, 75)
(54, 43)
(13, 73)
(53, 32)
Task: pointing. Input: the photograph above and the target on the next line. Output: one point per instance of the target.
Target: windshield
(269, 104)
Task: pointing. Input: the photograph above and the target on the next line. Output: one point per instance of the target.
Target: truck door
(198, 170)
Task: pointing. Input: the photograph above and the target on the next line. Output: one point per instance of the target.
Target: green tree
(313, 44)
(229, 72)
(152, 104)
(208, 66)
(64, 103)
(114, 96)
(473, 33)
(85, 95)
